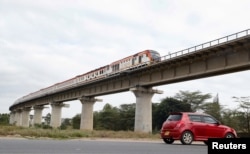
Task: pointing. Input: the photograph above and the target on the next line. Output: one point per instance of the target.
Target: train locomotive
(135, 61)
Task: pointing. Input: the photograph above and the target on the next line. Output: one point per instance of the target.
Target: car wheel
(187, 137)
(229, 135)
(168, 140)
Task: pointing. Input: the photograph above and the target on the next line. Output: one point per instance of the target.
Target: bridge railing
(207, 45)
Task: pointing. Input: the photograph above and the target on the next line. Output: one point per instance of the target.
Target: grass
(72, 133)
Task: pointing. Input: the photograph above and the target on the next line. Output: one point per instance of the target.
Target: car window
(174, 117)
(195, 118)
(209, 120)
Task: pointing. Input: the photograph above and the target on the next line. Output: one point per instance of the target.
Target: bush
(43, 126)
(243, 135)
(76, 120)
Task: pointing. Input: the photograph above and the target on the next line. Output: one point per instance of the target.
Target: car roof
(193, 113)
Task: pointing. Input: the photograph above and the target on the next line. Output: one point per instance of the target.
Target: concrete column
(25, 117)
(38, 114)
(15, 117)
(18, 118)
(12, 118)
(87, 112)
(143, 111)
(56, 114)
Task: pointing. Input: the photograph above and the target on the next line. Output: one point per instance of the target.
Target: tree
(230, 118)
(214, 108)
(4, 119)
(156, 122)
(127, 116)
(195, 99)
(47, 119)
(167, 105)
(76, 121)
(66, 123)
(244, 105)
(108, 118)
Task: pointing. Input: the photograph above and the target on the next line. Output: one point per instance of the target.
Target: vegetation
(4, 119)
(114, 122)
(34, 132)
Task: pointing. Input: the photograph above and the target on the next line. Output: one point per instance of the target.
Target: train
(138, 60)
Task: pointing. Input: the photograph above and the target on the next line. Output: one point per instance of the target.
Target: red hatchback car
(188, 127)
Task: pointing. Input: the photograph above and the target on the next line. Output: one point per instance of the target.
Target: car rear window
(174, 117)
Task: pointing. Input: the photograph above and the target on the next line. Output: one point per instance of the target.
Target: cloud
(44, 42)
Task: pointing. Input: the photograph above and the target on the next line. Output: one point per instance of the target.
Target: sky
(44, 42)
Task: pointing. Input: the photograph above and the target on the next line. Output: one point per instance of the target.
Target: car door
(197, 126)
(213, 129)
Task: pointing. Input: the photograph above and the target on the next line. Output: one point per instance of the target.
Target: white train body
(131, 62)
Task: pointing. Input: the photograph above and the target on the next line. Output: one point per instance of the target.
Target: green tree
(244, 107)
(47, 119)
(155, 121)
(213, 108)
(76, 121)
(66, 123)
(126, 116)
(4, 119)
(196, 99)
(229, 119)
(96, 123)
(167, 105)
(234, 119)
(108, 118)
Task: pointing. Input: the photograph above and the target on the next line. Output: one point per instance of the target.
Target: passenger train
(137, 60)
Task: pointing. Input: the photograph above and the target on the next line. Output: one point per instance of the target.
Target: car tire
(229, 135)
(187, 137)
(168, 140)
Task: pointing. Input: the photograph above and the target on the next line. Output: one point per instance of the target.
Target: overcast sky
(43, 42)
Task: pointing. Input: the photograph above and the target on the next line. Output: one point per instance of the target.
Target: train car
(134, 61)
(65, 84)
(94, 74)
(139, 59)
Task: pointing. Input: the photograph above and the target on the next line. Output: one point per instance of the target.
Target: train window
(140, 59)
(117, 67)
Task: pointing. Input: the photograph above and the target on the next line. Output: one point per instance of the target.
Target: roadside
(149, 140)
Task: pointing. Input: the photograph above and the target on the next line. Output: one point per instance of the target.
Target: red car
(188, 127)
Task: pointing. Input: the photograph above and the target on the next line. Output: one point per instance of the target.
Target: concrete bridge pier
(12, 117)
(25, 116)
(18, 117)
(38, 114)
(87, 112)
(56, 114)
(143, 113)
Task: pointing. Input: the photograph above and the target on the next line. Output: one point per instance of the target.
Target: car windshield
(174, 117)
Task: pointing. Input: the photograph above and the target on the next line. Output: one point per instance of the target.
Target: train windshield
(155, 55)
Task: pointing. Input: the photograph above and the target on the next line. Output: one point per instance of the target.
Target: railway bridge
(220, 56)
